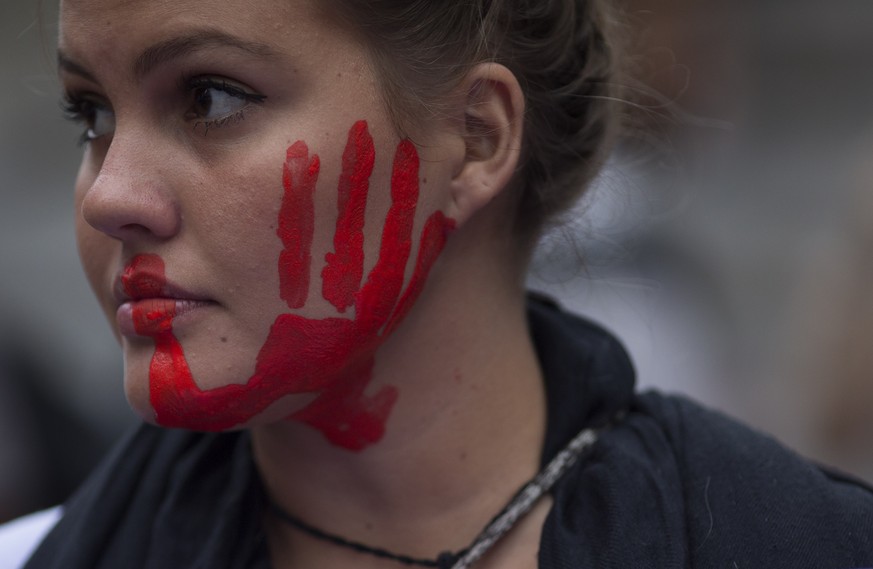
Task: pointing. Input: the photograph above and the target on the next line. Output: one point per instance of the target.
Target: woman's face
(248, 216)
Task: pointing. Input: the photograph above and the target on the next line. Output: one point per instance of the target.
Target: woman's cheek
(333, 356)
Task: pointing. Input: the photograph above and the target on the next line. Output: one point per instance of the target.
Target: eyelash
(191, 84)
(81, 108)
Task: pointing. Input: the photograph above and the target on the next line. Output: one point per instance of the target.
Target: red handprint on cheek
(334, 356)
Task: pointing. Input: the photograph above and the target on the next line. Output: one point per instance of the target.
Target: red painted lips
(149, 304)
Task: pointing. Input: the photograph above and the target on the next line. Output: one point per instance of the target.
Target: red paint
(433, 239)
(345, 267)
(296, 224)
(153, 317)
(333, 357)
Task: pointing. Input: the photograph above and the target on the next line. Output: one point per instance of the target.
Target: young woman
(308, 222)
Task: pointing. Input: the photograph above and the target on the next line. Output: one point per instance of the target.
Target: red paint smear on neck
(333, 357)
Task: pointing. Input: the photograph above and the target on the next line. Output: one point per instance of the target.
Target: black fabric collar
(166, 499)
(589, 376)
(163, 499)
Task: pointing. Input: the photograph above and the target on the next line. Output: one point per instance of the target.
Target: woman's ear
(493, 124)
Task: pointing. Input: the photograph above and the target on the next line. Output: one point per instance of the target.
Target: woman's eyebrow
(68, 65)
(173, 48)
(198, 40)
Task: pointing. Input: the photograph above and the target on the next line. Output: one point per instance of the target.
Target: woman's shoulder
(673, 484)
(19, 538)
(742, 489)
(705, 440)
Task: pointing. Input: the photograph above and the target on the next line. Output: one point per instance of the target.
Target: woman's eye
(211, 103)
(217, 101)
(96, 116)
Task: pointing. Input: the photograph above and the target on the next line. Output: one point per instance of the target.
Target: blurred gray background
(60, 398)
(735, 265)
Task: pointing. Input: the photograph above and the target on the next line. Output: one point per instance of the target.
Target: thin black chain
(521, 502)
(445, 560)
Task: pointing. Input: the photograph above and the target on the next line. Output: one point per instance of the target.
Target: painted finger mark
(296, 224)
(344, 267)
(433, 239)
(378, 296)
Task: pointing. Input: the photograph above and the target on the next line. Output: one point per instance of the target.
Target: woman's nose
(132, 196)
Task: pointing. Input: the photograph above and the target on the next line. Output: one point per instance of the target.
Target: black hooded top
(671, 485)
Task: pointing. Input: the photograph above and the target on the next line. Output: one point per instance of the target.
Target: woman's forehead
(136, 33)
(270, 20)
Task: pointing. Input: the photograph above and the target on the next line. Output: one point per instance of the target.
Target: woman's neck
(465, 433)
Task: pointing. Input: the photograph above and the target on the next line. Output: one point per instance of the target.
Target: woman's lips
(155, 316)
(149, 305)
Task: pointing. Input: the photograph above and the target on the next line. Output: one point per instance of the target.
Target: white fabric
(19, 538)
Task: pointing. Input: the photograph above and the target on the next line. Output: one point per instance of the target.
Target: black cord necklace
(518, 506)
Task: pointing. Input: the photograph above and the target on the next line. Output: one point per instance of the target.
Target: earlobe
(493, 111)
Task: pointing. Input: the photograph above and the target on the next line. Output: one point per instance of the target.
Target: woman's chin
(198, 418)
(136, 390)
